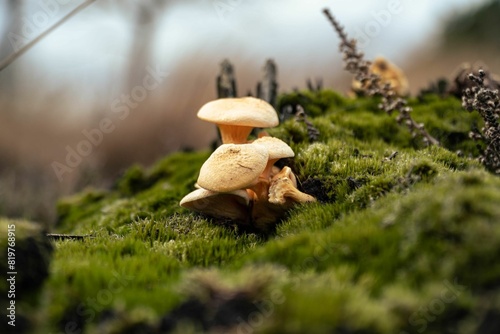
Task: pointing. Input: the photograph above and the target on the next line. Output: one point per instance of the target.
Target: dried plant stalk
(487, 103)
(372, 85)
(312, 132)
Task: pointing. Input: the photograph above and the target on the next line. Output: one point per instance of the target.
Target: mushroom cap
(243, 111)
(276, 148)
(232, 167)
(196, 196)
(232, 205)
(283, 191)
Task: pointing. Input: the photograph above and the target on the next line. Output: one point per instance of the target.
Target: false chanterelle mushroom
(239, 180)
(236, 117)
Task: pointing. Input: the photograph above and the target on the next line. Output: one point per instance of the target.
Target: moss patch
(403, 238)
(24, 260)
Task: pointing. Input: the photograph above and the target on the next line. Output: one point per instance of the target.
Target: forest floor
(404, 238)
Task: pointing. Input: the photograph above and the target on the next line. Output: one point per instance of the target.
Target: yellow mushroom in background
(388, 73)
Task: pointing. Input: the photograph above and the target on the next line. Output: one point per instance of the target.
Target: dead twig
(7, 61)
(301, 116)
(60, 237)
(391, 157)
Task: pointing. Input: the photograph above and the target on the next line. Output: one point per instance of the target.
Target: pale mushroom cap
(194, 199)
(243, 111)
(276, 148)
(232, 205)
(232, 167)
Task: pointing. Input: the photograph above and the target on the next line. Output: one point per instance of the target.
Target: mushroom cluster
(239, 180)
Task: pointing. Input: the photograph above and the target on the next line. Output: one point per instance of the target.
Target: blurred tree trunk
(145, 24)
(12, 24)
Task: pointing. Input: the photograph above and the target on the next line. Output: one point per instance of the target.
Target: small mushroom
(232, 205)
(283, 192)
(283, 195)
(275, 170)
(236, 117)
(388, 73)
(277, 149)
(391, 74)
(232, 167)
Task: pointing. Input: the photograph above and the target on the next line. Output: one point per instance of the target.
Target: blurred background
(120, 82)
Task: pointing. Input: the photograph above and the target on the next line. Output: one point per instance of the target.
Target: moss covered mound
(404, 238)
(24, 260)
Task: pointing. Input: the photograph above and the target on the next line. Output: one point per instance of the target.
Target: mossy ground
(398, 243)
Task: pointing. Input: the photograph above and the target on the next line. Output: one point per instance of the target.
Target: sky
(87, 56)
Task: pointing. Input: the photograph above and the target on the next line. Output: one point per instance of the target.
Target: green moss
(24, 260)
(74, 209)
(138, 194)
(447, 121)
(316, 103)
(429, 237)
(31, 252)
(395, 225)
(133, 181)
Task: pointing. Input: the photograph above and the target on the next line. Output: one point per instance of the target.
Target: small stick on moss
(301, 116)
(391, 157)
(372, 85)
(487, 103)
(59, 237)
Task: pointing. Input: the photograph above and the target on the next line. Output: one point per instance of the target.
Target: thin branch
(6, 62)
(60, 237)
(372, 85)
(301, 116)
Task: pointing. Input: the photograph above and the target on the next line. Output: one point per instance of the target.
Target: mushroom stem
(234, 134)
(261, 190)
(265, 176)
(265, 214)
